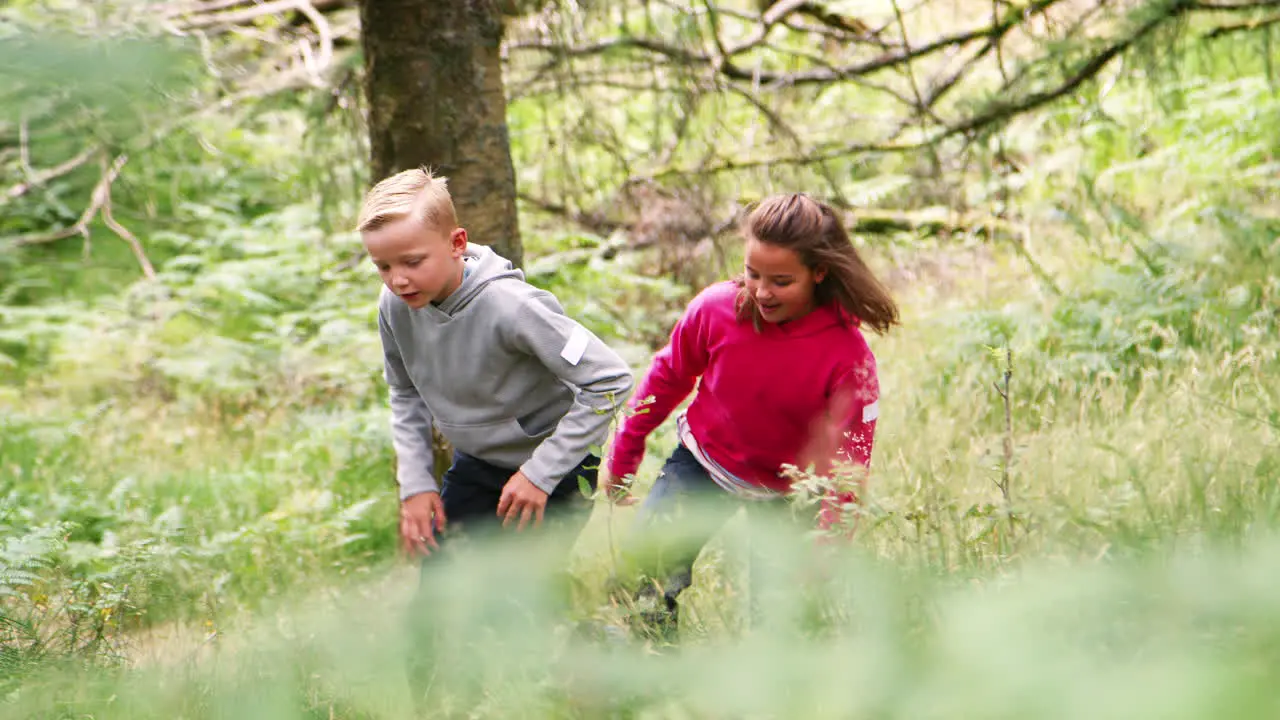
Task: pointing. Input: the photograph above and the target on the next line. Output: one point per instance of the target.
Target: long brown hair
(814, 231)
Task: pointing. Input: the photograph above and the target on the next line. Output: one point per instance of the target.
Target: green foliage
(189, 451)
(1187, 636)
(50, 613)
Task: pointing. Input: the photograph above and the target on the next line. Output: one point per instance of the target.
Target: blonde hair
(814, 231)
(413, 193)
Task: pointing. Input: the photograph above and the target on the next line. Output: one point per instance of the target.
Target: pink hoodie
(763, 395)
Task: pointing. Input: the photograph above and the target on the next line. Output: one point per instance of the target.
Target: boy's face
(418, 262)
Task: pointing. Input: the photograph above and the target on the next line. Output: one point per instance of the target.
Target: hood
(484, 266)
(819, 320)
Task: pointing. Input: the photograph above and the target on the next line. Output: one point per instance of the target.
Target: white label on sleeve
(871, 412)
(577, 345)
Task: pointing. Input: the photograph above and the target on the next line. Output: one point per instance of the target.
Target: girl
(786, 376)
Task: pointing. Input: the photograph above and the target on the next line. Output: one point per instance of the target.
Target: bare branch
(208, 6)
(24, 149)
(40, 238)
(99, 203)
(326, 39)
(923, 112)
(780, 10)
(804, 77)
(812, 158)
(843, 23)
(1245, 26)
(38, 178)
(118, 229)
(1230, 7)
(99, 197)
(1000, 111)
(593, 222)
(200, 17)
(873, 221)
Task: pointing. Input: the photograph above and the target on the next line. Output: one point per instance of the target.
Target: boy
(519, 389)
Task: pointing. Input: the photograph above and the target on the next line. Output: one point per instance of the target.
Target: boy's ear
(458, 240)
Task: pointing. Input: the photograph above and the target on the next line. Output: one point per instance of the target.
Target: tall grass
(1190, 635)
(201, 509)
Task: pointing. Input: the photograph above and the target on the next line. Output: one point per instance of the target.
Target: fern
(24, 557)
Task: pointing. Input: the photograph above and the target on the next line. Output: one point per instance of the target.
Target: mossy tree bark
(433, 74)
(433, 81)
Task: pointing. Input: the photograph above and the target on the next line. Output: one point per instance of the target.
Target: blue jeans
(683, 511)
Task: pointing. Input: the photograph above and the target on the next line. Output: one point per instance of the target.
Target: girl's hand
(616, 489)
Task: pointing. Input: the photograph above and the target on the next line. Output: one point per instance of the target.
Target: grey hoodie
(502, 372)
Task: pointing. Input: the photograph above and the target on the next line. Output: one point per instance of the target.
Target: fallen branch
(99, 202)
(316, 66)
(81, 227)
(933, 221)
(38, 178)
(209, 6)
(1245, 26)
(147, 268)
(212, 15)
(866, 222)
(592, 222)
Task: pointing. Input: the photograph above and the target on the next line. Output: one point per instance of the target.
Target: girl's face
(782, 285)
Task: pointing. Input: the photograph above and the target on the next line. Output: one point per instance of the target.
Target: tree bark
(436, 99)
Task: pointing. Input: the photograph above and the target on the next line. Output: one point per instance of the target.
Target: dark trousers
(473, 487)
(467, 603)
(682, 512)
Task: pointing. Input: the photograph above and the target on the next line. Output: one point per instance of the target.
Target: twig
(326, 40)
(1008, 425)
(810, 159)
(1247, 25)
(147, 268)
(1230, 7)
(81, 226)
(200, 18)
(779, 11)
(819, 76)
(713, 20)
(37, 178)
(995, 42)
(209, 6)
(1023, 248)
(787, 131)
(24, 150)
(594, 222)
(99, 202)
(923, 111)
(1000, 111)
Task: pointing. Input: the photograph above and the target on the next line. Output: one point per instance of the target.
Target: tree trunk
(433, 78)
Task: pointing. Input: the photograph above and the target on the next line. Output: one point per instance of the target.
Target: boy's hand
(521, 497)
(614, 488)
(421, 517)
